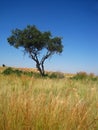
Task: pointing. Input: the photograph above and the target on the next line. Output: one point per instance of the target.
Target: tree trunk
(40, 68)
(40, 64)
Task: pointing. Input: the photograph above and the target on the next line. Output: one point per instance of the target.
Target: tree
(35, 43)
(3, 65)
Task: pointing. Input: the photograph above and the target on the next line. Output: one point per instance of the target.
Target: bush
(30, 74)
(3, 65)
(8, 71)
(84, 75)
(58, 75)
(17, 72)
(80, 75)
(93, 77)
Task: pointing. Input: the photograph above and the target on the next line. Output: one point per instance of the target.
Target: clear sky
(74, 20)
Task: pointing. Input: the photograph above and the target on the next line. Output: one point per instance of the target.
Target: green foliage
(30, 74)
(84, 75)
(9, 71)
(34, 42)
(94, 79)
(80, 75)
(57, 75)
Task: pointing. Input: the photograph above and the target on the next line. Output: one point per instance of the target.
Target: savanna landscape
(57, 101)
(37, 93)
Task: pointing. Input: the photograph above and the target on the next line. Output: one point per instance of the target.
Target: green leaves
(34, 41)
(55, 45)
(31, 37)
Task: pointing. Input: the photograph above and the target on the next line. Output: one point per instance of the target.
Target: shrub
(3, 65)
(94, 79)
(8, 71)
(80, 75)
(91, 75)
(30, 74)
(58, 75)
(17, 72)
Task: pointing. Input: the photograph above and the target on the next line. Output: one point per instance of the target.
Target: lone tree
(3, 65)
(39, 45)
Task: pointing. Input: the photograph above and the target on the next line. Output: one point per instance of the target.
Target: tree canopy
(34, 42)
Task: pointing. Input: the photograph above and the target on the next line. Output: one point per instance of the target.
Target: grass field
(31, 103)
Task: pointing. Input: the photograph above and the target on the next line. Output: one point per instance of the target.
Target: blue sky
(74, 20)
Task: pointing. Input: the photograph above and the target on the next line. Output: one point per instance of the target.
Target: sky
(76, 21)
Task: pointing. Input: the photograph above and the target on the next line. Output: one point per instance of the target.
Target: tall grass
(28, 103)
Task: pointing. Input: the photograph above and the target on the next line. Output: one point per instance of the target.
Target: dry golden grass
(28, 103)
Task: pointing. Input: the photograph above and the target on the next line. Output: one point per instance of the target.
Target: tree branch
(48, 54)
(33, 56)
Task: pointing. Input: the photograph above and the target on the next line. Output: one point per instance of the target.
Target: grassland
(30, 103)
